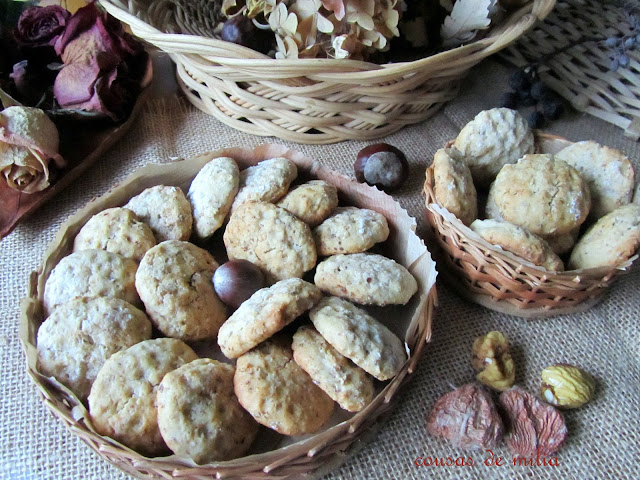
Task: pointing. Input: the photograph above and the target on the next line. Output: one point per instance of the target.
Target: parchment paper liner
(314, 454)
(499, 280)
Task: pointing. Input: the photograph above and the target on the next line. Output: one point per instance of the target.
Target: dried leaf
(466, 18)
(335, 6)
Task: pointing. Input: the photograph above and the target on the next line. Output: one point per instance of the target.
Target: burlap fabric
(603, 436)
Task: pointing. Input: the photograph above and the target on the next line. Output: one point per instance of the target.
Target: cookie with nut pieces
(116, 230)
(174, 281)
(453, 185)
(266, 312)
(366, 278)
(271, 238)
(350, 230)
(359, 337)
(211, 194)
(166, 210)
(346, 383)
(277, 392)
(122, 402)
(268, 181)
(199, 415)
(311, 202)
(80, 335)
(91, 273)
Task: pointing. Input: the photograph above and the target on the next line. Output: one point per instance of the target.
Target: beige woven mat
(603, 440)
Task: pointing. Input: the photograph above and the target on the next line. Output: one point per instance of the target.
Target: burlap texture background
(603, 436)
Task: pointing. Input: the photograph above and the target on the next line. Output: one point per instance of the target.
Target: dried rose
(103, 65)
(32, 79)
(40, 26)
(28, 141)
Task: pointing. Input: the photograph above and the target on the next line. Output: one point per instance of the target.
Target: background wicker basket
(310, 457)
(499, 280)
(310, 101)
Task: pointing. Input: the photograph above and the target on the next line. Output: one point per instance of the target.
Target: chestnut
(381, 165)
(236, 280)
(241, 30)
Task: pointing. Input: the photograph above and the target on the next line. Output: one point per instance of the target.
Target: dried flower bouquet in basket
(374, 30)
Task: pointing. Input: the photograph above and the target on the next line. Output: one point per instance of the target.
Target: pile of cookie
(128, 306)
(575, 204)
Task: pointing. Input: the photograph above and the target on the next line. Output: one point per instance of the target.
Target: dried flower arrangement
(372, 30)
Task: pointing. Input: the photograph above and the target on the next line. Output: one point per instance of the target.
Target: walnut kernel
(493, 362)
(467, 417)
(567, 386)
(534, 427)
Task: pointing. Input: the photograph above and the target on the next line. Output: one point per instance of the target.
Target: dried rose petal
(535, 428)
(38, 26)
(467, 417)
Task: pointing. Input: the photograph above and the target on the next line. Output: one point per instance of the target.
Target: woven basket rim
(309, 453)
(597, 278)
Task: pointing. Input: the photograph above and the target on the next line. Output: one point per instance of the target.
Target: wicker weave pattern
(580, 71)
(310, 101)
(498, 279)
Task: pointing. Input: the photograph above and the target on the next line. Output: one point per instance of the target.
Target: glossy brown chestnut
(381, 165)
(236, 280)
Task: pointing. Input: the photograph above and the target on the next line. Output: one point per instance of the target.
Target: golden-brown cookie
(453, 185)
(544, 195)
(277, 392)
(199, 415)
(610, 241)
(366, 278)
(519, 241)
(607, 171)
(358, 336)
(122, 402)
(311, 202)
(350, 230)
(211, 194)
(271, 238)
(174, 281)
(493, 139)
(266, 312)
(166, 210)
(267, 181)
(80, 335)
(91, 273)
(115, 230)
(346, 383)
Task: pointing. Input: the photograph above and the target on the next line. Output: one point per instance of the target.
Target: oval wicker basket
(310, 101)
(293, 458)
(485, 274)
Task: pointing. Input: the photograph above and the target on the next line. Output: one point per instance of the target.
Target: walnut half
(492, 360)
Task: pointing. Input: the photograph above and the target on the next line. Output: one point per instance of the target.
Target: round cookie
(311, 202)
(453, 185)
(493, 139)
(358, 336)
(271, 238)
(544, 195)
(610, 241)
(174, 281)
(608, 173)
(519, 241)
(116, 230)
(277, 392)
(211, 194)
(347, 384)
(266, 312)
(91, 273)
(199, 415)
(166, 210)
(365, 278)
(267, 181)
(122, 402)
(350, 230)
(80, 335)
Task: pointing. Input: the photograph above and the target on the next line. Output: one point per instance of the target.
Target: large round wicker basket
(490, 276)
(310, 101)
(292, 458)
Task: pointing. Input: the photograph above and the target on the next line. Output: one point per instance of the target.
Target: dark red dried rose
(38, 26)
